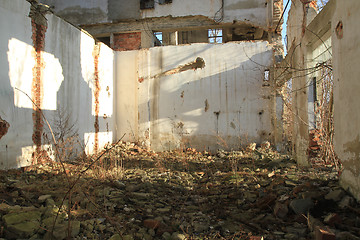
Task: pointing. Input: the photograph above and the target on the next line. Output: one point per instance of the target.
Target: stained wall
(206, 96)
(61, 70)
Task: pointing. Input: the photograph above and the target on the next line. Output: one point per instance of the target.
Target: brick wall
(127, 41)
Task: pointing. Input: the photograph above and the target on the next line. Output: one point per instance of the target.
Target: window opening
(266, 75)
(161, 2)
(105, 40)
(146, 4)
(266, 78)
(185, 37)
(159, 39)
(215, 35)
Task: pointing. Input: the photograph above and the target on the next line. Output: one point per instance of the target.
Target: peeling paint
(339, 30)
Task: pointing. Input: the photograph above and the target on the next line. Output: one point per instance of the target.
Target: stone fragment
(166, 236)
(141, 195)
(298, 230)
(163, 228)
(346, 202)
(301, 206)
(128, 237)
(281, 210)
(61, 231)
(332, 218)
(335, 195)
(119, 184)
(15, 218)
(164, 210)
(43, 198)
(346, 236)
(25, 229)
(115, 237)
(151, 223)
(178, 236)
(256, 238)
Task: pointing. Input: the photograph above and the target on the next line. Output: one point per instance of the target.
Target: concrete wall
(346, 59)
(87, 12)
(224, 104)
(80, 11)
(319, 52)
(75, 79)
(332, 34)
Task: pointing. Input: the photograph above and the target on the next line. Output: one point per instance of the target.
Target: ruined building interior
(179, 119)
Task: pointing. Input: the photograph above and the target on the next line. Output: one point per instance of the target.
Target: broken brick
(151, 223)
(332, 219)
(324, 233)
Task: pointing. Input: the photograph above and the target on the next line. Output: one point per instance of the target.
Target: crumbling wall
(49, 68)
(200, 95)
(83, 12)
(80, 11)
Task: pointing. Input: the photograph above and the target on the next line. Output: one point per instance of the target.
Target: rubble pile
(252, 194)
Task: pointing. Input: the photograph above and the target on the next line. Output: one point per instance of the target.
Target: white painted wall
(172, 108)
(346, 58)
(68, 79)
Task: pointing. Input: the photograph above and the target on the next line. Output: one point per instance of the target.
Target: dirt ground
(131, 193)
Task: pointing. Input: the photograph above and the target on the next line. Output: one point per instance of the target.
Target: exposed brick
(127, 41)
(38, 37)
(4, 126)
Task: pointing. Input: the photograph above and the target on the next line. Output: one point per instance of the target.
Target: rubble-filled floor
(132, 193)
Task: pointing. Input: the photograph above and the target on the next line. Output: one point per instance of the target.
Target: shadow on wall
(225, 104)
(67, 80)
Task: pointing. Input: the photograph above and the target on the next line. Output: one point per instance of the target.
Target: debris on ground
(133, 193)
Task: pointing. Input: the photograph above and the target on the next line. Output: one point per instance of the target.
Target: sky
(283, 32)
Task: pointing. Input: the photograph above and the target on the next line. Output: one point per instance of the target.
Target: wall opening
(215, 35)
(158, 39)
(162, 2)
(146, 4)
(105, 40)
